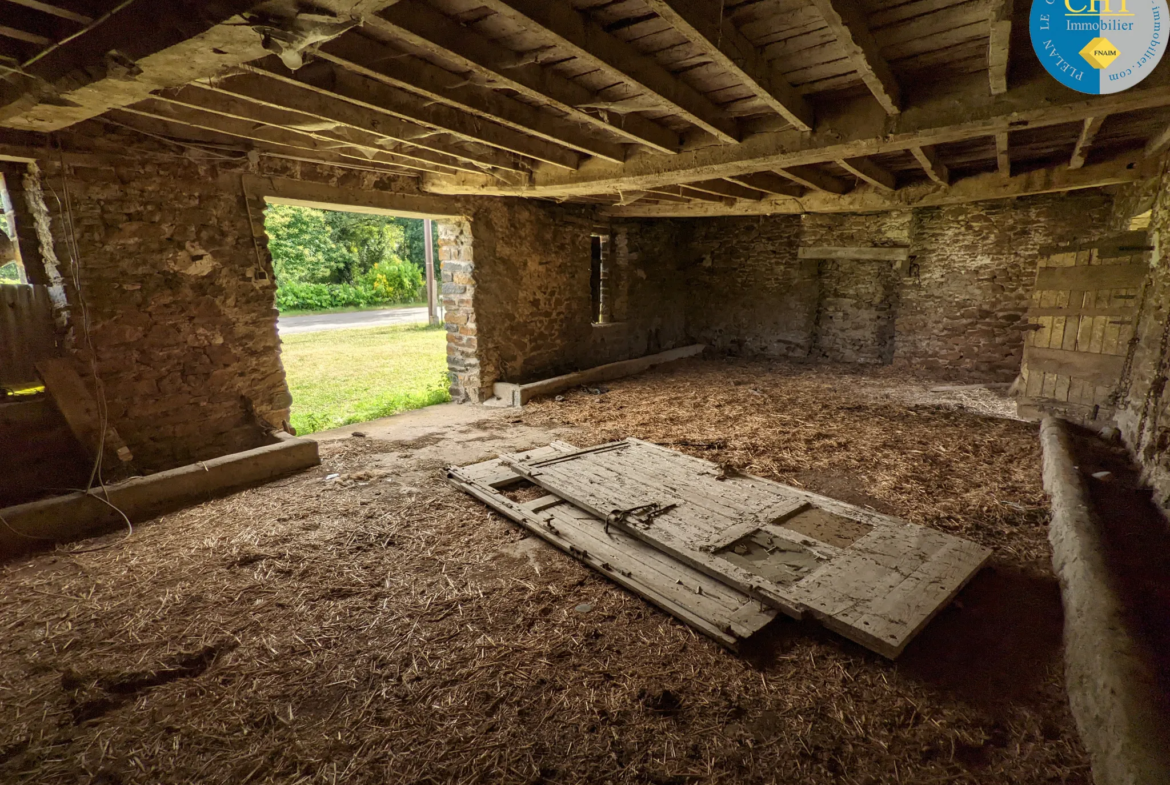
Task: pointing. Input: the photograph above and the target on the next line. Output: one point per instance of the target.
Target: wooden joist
(1088, 133)
(426, 29)
(846, 20)
(965, 113)
(54, 10)
(588, 41)
(867, 170)
(999, 45)
(720, 40)
(934, 168)
(769, 183)
(365, 56)
(726, 188)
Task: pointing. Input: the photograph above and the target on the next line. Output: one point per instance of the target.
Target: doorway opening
(359, 341)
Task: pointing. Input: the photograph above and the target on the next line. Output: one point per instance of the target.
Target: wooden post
(432, 294)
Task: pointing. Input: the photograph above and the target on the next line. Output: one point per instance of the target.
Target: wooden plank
(1100, 369)
(520, 394)
(769, 183)
(708, 605)
(1089, 278)
(27, 333)
(880, 590)
(846, 19)
(1003, 158)
(880, 254)
(811, 177)
(1080, 310)
(77, 405)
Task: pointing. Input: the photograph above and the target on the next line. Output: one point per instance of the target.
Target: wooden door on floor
(1082, 319)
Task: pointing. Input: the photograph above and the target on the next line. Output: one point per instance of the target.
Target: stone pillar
(457, 266)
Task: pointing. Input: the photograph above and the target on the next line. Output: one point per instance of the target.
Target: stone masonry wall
(176, 301)
(958, 310)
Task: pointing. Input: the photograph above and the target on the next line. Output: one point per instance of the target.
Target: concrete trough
(40, 524)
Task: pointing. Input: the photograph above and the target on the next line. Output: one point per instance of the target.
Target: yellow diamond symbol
(1100, 53)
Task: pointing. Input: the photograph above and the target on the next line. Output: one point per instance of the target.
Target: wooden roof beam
(1003, 159)
(171, 42)
(722, 41)
(1085, 141)
(848, 130)
(426, 29)
(331, 81)
(815, 179)
(265, 134)
(999, 45)
(390, 65)
(52, 10)
(867, 170)
(934, 168)
(971, 189)
(330, 133)
(846, 19)
(586, 40)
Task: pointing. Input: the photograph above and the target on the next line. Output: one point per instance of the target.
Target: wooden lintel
(867, 170)
(722, 41)
(934, 168)
(871, 253)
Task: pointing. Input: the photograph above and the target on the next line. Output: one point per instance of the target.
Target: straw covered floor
(381, 626)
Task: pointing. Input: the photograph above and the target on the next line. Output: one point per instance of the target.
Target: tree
(363, 241)
(301, 245)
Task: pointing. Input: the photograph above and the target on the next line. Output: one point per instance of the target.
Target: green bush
(383, 285)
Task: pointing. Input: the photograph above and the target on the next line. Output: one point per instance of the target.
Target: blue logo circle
(1099, 46)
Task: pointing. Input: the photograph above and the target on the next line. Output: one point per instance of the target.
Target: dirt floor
(381, 626)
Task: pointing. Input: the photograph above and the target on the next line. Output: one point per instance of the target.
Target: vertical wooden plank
(1056, 334)
(1062, 387)
(1098, 336)
(1048, 389)
(1076, 390)
(1071, 328)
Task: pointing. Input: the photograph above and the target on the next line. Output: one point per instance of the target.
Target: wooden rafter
(999, 45)
(846, 19)
(331, 81)
(957, 116)
(587, 41)
(397, 69)
(726, 188)
(730, 49)
(53, 10)
(1085, 141)
(769, 183)
(811, 177)
(928, 159)
(867, 170)
(429, 31)
(329, 132)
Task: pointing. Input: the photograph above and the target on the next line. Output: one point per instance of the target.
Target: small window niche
(600, 278)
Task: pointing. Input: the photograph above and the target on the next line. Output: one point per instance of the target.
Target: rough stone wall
(1144, 413)
(963, 308)
(747, 293)
(958, 309)
(176, 301)
(529, 284)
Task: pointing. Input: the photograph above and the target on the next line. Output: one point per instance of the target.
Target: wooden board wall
(1082, 319)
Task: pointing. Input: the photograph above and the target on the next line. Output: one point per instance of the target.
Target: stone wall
(957, 309)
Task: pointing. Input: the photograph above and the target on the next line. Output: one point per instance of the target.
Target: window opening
(600, 279)
(11, 265)
(353, 321)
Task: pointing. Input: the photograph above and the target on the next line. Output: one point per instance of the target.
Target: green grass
(340, 377)
(353, 308)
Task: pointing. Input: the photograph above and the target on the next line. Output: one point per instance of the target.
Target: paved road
(291, 325)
